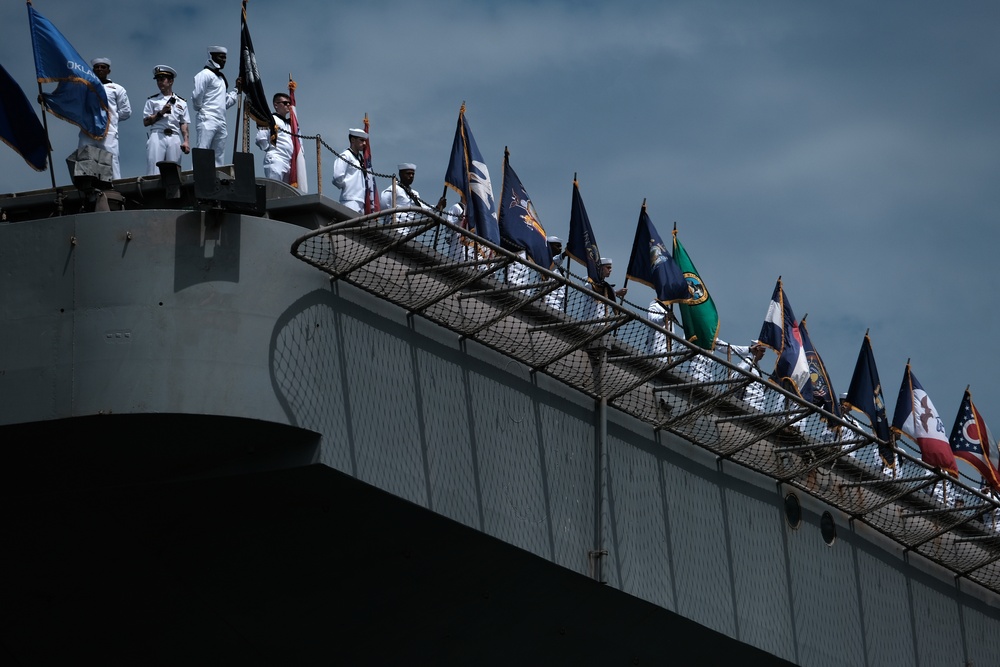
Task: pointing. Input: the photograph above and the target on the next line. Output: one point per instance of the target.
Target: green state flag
(701, 319)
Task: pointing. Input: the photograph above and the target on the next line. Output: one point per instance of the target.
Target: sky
(850, 148)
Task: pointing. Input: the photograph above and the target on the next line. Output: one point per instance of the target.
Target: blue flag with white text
(518, 219)
(651, 264)
(80, 97)
(582, 246)
(468, 176)
(780, 332)
(19, 126)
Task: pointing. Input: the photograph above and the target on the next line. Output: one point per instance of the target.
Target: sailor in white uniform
(556, 299)
(119, 109)
(747, 356)
(405, 195)
(166, 117)
(210, 100)
(349, 172)
(657, 342)
(277, 157)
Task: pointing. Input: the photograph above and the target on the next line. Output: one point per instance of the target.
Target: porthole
(793, 510)
(828, 528)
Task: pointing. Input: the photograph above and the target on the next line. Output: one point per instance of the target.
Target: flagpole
(45, 123)
(444, 193)
(236, 143)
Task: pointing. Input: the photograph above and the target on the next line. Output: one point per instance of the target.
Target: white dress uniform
(518, 273)
(118, 109)
(656, 342)
(277, 158)
(556, 299)
(753, 395)
(210, 101)
(403, 198)
(163, 142)
(350, 178)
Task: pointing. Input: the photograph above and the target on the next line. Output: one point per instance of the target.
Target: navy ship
(245, 425)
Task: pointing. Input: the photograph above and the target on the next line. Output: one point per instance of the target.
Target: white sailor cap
(553, 239)
(216, 49)
(406, 166)
(100, 61)
(605, 261)
(164, 69)
(355, 132)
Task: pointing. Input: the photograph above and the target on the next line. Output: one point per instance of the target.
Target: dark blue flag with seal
(582, 246)
(652, 265)
(865, 395)
(80, 97)
(822, 388)
(518, 219)
(19, 126)
(468, 176)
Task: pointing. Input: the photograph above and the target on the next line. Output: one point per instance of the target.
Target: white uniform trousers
(162, 147)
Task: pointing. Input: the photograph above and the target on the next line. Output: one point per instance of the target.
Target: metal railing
(425, 263)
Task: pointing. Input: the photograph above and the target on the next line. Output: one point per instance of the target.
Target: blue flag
(865, 395)
(582, 246)
(19, 126)
(80, 97)
(468, 176)
(780, 332)
(518, 219)
(822, 388)
(652, 265)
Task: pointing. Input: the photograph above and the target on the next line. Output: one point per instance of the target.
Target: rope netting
(422, 261)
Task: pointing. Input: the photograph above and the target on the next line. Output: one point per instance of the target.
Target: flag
(518, 219)
(297, 174)
(822, 388)
(582, 246)
(865, 395)
(916, 417)
(651, 264)
(780, 332)
(19, 126)
(257, 106)
(701, 319)
(972, 441)
(80, 97)
(372, 203)
(468, 176)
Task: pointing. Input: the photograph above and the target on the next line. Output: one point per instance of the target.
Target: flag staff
(239, 107)
(625, 284)
(569, 263)
(45, 124)
(444, 193)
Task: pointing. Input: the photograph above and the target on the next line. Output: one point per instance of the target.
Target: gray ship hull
(216, 450)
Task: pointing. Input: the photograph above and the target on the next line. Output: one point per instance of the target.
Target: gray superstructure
(184, 404)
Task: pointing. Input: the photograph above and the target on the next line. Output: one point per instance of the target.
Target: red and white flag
(297, 175)
(917, 418)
